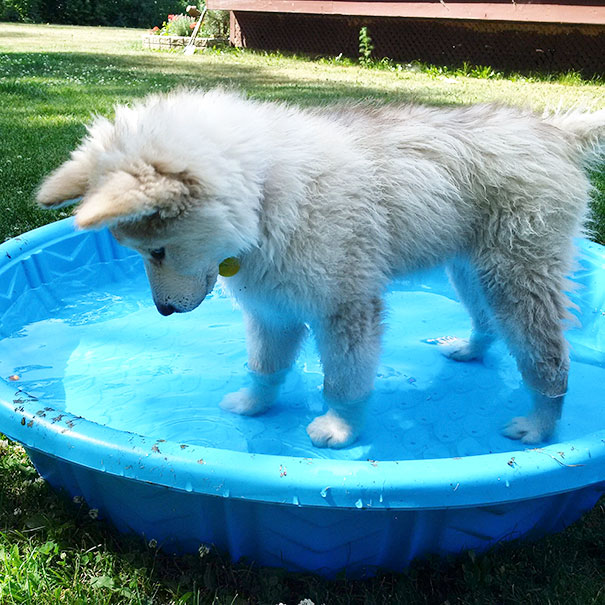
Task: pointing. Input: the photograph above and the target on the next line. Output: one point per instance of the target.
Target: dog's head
(183, 209)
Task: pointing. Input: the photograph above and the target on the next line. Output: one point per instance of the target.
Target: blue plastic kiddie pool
(119, 405)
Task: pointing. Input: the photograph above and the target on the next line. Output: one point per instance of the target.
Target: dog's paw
(460, 349)
(528, 429)
(244, 402)
(330, 430)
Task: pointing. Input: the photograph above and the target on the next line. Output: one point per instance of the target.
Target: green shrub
(216, 24)
(21, 10)
(121, 13)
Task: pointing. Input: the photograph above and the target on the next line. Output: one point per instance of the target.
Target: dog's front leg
(272, 349)
(349, 345)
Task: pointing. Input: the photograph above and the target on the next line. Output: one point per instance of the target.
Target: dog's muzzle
(166, 309)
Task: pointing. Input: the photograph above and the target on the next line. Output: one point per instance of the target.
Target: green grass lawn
(52, 80)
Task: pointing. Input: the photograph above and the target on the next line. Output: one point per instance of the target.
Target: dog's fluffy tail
(587, 128)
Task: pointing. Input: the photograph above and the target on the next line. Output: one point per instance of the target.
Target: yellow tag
(229, 267)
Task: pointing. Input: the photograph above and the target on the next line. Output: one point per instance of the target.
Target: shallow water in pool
(104, 353)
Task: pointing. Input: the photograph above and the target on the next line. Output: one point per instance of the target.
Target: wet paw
(330, 430)
(460, 349)
(527, 429)
(244, 402)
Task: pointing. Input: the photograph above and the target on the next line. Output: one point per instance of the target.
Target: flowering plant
(215, 24)
(176, 25)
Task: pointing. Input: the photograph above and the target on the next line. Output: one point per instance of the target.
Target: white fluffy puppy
(323, 207)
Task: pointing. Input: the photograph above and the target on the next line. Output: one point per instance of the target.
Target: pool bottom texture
(83, 344)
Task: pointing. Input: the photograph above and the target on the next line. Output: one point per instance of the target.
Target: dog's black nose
(165, 309)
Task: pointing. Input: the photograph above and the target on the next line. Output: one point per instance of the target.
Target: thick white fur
(323, 207)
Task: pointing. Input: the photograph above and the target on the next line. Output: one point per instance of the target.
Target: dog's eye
(158, 253)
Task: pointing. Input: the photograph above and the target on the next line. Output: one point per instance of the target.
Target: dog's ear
(123, 196)
(65, 185)
(116, 199)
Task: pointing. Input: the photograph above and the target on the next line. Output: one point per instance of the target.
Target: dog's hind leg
(272, 349)
(349, 345)
(466, 283)
(529, 305)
